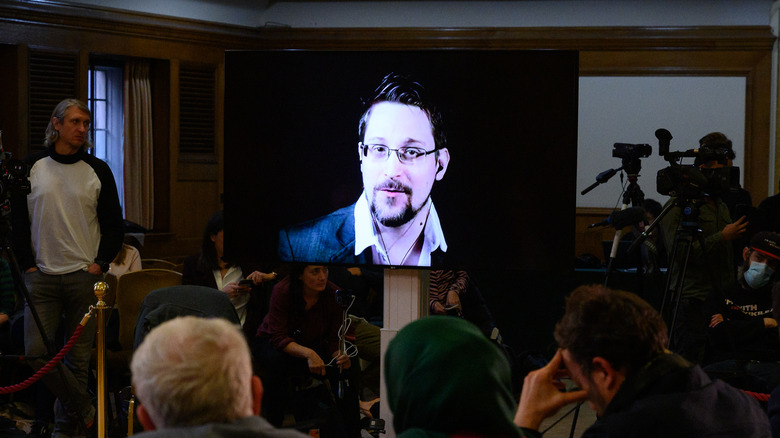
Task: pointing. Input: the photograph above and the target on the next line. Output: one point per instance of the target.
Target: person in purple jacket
(302, 335)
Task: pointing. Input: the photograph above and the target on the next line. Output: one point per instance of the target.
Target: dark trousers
(750, 375)
(689, 337)
(281, 373)
(63, 299)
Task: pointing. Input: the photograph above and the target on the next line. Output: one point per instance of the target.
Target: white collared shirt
(366, 236)
(239, 302)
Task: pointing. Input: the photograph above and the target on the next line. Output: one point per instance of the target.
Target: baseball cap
(766, 243)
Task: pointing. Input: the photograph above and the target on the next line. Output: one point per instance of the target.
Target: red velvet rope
(46, 368)
(757, 395)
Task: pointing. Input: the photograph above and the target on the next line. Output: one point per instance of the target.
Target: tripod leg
(672, 294)
(22, 291)
(679, 291)
(668, 289)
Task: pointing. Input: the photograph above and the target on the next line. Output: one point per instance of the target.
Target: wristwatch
(104, 266)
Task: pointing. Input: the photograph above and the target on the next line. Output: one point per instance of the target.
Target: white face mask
(758, 275)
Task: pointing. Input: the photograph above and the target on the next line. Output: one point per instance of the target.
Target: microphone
(623, 218)
(664, 138)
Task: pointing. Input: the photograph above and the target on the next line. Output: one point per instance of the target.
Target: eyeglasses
(405, 154)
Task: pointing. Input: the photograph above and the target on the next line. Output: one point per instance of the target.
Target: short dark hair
(616, 325)
(402, 89)
(716, 141)
(652, 206)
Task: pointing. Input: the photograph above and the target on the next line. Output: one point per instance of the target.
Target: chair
(182, 300)
(159, 264)
(131, 289)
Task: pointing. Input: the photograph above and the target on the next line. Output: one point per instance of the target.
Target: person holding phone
(242, 283)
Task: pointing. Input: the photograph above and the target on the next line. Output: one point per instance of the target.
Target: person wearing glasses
(402, 153)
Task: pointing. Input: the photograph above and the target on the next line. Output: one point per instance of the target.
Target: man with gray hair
(193, 377)
(66, 232)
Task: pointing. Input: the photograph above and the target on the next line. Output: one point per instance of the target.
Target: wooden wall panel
(192, 193)
(588, 240)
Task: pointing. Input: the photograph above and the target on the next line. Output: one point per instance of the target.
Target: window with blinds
(197, 116)
(52, 79)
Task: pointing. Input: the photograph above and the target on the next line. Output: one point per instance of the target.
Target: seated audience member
(744, 339)
(612, 344)
(128, 259)
(193, 377)
(361, 283)
(445, 290)
(207, 268)
(367, 284)
(300, 336)
(445, 379)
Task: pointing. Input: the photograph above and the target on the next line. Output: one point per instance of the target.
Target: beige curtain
(138, 170)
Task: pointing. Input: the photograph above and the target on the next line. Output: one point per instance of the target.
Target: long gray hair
(59, 112)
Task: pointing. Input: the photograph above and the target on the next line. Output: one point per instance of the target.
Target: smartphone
(246, 283)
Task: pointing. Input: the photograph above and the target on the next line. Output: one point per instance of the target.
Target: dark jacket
(711, 263)
(742, 334)
(329, 239)
(669, 397)
(182, 300)
(316, 328)
(249, 427)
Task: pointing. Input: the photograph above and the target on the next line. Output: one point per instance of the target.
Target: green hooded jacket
(445, 378)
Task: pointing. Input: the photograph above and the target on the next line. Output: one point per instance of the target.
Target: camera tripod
(687, 233)
(632, 195)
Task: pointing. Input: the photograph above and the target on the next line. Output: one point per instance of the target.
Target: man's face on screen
(396, 191)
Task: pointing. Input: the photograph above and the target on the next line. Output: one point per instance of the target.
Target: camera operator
(710, 267)
(736, 198)
(66, 232)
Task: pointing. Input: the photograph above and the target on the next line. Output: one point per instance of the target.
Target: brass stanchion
(101, 289)
(130, 413)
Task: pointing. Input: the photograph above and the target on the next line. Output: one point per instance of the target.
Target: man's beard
(381, 210)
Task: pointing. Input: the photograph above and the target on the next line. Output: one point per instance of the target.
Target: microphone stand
(342, 381)
(602, 178)
(633, 195)
(342, 390)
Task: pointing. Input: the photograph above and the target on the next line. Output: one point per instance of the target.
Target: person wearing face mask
(743, 335)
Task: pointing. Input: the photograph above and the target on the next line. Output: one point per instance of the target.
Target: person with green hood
(445, 379)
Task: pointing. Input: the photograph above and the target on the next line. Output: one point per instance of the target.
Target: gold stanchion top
(101, 289)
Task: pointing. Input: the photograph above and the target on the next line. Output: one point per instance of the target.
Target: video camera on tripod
(14, 179)
(631, 151)
(630, 155)
(692, 181)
